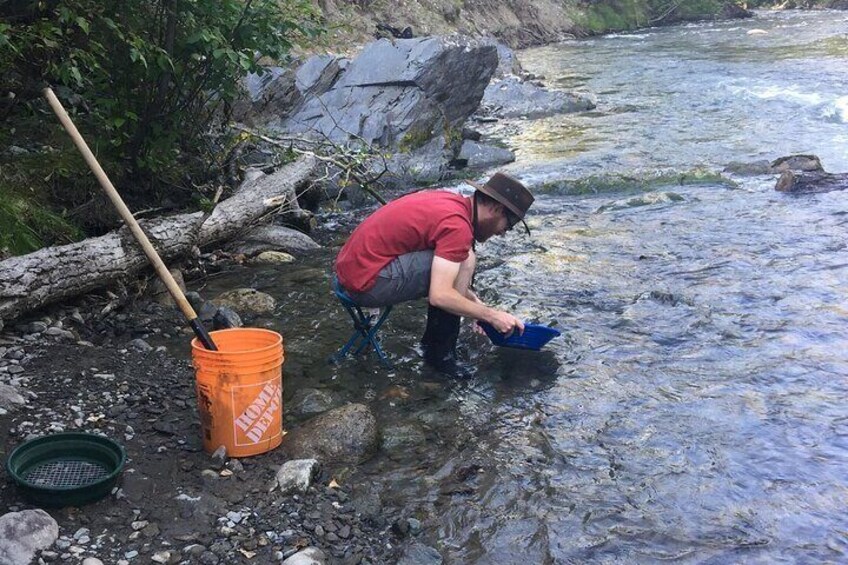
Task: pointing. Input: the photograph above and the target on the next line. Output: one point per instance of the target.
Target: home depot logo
(261, 413)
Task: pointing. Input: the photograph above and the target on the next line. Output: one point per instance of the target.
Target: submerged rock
(311, 401)
(420, 554)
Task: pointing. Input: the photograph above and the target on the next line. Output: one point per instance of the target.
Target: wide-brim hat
(508, 191)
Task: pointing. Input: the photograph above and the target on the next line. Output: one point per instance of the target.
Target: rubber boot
(439, 343)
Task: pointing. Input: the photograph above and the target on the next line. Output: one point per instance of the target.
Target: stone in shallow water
(345, 435)
(247, 300)
(420, 554)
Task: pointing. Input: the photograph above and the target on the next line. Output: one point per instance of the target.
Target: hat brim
(497, 197)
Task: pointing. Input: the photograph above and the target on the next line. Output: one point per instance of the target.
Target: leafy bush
(616, 15)
(144, 81)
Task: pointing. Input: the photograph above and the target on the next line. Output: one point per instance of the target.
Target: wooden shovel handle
(126, 215)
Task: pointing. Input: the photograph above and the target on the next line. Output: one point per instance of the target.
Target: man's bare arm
(443, 295)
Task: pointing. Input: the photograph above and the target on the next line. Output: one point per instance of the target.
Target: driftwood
(55, 273)
(811, 182)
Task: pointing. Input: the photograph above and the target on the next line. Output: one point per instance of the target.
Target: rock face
(344, 435)
(400, 94)
(24, 533)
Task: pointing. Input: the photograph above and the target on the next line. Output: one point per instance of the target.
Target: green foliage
(26, 225)
(611, 184)
(414, 139)
(145, 81)
(600, 16)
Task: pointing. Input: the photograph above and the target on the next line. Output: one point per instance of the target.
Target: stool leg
(360, 332)
(372, 338)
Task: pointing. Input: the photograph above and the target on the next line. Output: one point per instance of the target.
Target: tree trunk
(811, 182)
(51, 274)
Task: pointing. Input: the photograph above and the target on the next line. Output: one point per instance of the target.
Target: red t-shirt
(432, 219)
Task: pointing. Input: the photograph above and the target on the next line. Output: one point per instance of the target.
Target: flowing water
(694, 409)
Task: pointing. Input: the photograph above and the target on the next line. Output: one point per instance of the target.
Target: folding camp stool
(365, 326)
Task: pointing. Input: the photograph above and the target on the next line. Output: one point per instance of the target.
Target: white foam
(837, 110)
(789, 94)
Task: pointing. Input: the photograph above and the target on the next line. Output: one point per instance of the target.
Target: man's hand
(505, 322)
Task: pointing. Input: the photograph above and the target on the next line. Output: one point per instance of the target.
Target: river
(694, 408)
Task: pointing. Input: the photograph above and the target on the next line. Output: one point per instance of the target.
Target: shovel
(126, 215)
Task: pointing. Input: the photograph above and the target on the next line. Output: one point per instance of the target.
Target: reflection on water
(694, 408)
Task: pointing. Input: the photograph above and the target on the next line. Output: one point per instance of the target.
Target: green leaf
(83, 24)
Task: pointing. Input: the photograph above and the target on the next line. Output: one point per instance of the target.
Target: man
(422, 244)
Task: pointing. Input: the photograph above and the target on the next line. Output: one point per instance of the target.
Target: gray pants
(405, 278)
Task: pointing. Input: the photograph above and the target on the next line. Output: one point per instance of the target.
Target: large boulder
(23, 533)
(345, 435)
(400, 94)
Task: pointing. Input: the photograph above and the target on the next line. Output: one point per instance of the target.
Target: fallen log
(814, 182)
(56, 273)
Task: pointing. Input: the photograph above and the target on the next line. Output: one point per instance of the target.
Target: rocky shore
(80, 370)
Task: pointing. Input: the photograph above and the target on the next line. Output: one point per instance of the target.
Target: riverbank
(518, 24)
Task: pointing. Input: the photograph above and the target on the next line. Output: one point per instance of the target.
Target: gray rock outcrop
(23, 533)
(400, 94)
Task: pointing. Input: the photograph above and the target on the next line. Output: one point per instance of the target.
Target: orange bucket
(240, 390)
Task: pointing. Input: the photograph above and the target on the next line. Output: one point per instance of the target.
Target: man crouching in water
(422, 244)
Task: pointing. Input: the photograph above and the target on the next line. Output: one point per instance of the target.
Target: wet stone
(209, 558)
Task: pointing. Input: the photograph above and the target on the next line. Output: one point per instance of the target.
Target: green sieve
(67, 469)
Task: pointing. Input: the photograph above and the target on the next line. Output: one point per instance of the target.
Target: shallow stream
(694, 408)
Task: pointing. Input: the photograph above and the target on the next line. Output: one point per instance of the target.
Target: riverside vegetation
(151, 85)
